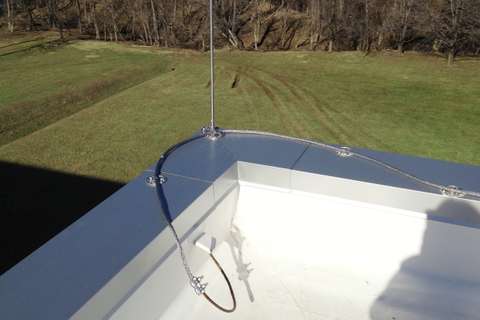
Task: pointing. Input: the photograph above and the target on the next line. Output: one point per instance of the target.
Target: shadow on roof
(36, 204)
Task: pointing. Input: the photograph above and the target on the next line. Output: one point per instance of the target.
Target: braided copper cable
(232, 294)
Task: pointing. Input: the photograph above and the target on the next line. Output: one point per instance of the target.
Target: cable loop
(230, 288)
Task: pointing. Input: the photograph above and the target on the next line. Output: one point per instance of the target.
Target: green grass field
(108, 110)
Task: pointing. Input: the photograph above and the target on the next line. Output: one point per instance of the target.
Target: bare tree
(27, 7)
(454, 23)
(10, 4)
(333, 10)
(316, 23)
(113, 16)
(366, 32)
(227, 19)
(156, 33)
(263, 20)
(79, 15)
(450, 27)
(94, 20)
(405, 11)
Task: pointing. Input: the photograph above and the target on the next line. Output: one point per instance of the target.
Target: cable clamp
(152, 181)
(344, 152)
(453, 192)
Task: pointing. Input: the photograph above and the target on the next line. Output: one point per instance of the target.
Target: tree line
(449, 27)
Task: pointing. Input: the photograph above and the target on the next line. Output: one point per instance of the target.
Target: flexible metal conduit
(159, 180)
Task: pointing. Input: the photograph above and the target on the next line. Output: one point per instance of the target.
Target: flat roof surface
(57, 279)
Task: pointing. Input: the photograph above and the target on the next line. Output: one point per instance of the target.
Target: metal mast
(212, 132)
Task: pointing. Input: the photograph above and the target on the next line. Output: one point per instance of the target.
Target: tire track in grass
(289, 109)
(242, 83)
(359, 137)
(266, 92)
(296, 112)
(326, 109)
(279, 106)
(332, 124)
(281, 110)
(243, 93)
(337, 132)
(300, 96)
(377, 142)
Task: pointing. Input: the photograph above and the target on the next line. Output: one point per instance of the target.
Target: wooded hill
(449, 27)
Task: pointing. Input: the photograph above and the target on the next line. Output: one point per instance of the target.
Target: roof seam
(307, 146)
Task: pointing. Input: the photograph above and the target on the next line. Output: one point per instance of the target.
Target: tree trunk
(451, 56)
(30, 19)
(366, 46)
(134, 31)
(115, 31)
(234, 40)
(86, 16)
(145, 33)
(174, 20)
(256, 29)
(166, 36)
(51, 9)
(341, 6)
(60, 29)
(79, 18)
(10, 15)
(95, 24)
(380, 41)
(114, 24)
(234, 17)
(151, 41)
(313, 24)
(330, 45)
(155, 23)
(403, 35)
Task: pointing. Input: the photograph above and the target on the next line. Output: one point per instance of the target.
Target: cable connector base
(212, 133)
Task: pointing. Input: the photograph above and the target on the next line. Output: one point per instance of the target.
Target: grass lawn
(43, 80)
(109, 110)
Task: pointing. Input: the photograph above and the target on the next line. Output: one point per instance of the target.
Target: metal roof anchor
(453, 192)
(152, 181)
(212, 133)
(345, 152)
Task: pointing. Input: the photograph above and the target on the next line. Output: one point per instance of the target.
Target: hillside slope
(43, 80)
